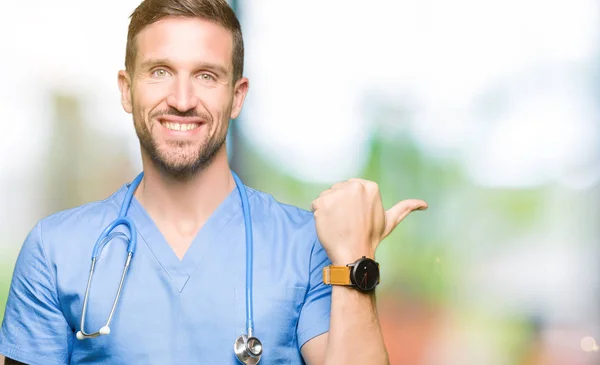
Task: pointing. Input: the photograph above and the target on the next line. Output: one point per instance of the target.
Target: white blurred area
(509, 88)
(446, 60)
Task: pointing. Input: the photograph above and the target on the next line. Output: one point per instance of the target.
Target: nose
(182, 96)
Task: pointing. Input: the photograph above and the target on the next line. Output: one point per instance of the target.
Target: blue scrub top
(170, 311)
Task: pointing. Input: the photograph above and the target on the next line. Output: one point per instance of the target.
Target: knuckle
(355, 182)
(359, 186)
(372, 185)
(356, 187)
(337, 185)
(321, 201)
(314, 205)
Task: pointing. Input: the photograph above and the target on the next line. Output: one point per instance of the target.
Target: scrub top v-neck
(179, 271)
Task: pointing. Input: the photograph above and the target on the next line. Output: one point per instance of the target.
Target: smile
(180, 126)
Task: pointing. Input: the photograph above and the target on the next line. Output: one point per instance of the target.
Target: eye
(160, 72)
(206, 77)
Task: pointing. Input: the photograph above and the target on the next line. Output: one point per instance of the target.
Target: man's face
(181, 93)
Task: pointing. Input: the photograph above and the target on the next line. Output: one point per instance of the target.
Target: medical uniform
(170, 311)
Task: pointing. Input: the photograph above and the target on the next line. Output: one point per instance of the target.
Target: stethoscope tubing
(106, 236)
(249, 252)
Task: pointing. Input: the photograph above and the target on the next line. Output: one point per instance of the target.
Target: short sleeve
(34, 330)
(315, 313)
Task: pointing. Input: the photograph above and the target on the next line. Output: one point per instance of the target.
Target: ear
(239, 95)
(125, 87)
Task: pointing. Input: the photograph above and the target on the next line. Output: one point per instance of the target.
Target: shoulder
(295, 224)
(83, 215)
(271, 205)
(271, 209)
(69, 230)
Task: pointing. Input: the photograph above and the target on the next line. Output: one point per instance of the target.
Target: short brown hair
(217, 11)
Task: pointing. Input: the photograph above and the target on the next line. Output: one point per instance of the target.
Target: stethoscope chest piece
(248, 349)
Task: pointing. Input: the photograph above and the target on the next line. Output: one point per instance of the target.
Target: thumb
(398, 212)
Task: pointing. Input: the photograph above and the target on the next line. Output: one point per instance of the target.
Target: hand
(351, 221)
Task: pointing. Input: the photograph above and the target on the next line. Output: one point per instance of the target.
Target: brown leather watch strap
(336, 275)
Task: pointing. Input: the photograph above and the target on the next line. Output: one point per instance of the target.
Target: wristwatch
(362, 274)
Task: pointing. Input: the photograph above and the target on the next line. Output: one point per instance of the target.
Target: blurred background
(488, 110)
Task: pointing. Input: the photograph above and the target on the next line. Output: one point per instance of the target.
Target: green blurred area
(421, 259)
(6, 268)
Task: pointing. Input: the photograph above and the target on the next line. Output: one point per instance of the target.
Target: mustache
(192, 113)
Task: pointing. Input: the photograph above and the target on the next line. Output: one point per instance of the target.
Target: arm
(351, 222)
(34, 330)
(352, 338)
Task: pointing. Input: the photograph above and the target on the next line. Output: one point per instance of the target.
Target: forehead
(185, 41)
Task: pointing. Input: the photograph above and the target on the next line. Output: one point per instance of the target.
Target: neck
(189, 202)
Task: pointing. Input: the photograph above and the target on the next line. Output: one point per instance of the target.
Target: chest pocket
(276, 310)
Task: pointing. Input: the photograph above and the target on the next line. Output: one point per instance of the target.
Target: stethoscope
(246, 347)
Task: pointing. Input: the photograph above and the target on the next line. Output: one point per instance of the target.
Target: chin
(177, 162)
(178, 154)
(181, 160)
(178, 170)
(181, 166)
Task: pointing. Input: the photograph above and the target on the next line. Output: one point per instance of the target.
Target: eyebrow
(165, 61)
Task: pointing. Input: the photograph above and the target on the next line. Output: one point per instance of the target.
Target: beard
(177, 159)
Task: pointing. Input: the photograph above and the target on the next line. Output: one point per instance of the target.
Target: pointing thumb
(398, 212)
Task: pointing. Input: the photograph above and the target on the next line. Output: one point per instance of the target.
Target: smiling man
(186, 221)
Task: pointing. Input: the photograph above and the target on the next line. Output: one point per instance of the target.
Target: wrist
(346, 257)
(360, 274)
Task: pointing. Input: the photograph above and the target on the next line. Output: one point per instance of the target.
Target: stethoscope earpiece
(248, 350)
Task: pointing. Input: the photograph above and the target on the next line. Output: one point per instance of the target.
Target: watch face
(366, 274)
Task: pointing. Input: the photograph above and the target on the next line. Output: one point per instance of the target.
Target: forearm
(355, 335)
(351, 223)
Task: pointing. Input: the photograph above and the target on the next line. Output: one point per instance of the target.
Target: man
(183, 300)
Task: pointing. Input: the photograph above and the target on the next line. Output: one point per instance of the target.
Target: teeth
(181, 127)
